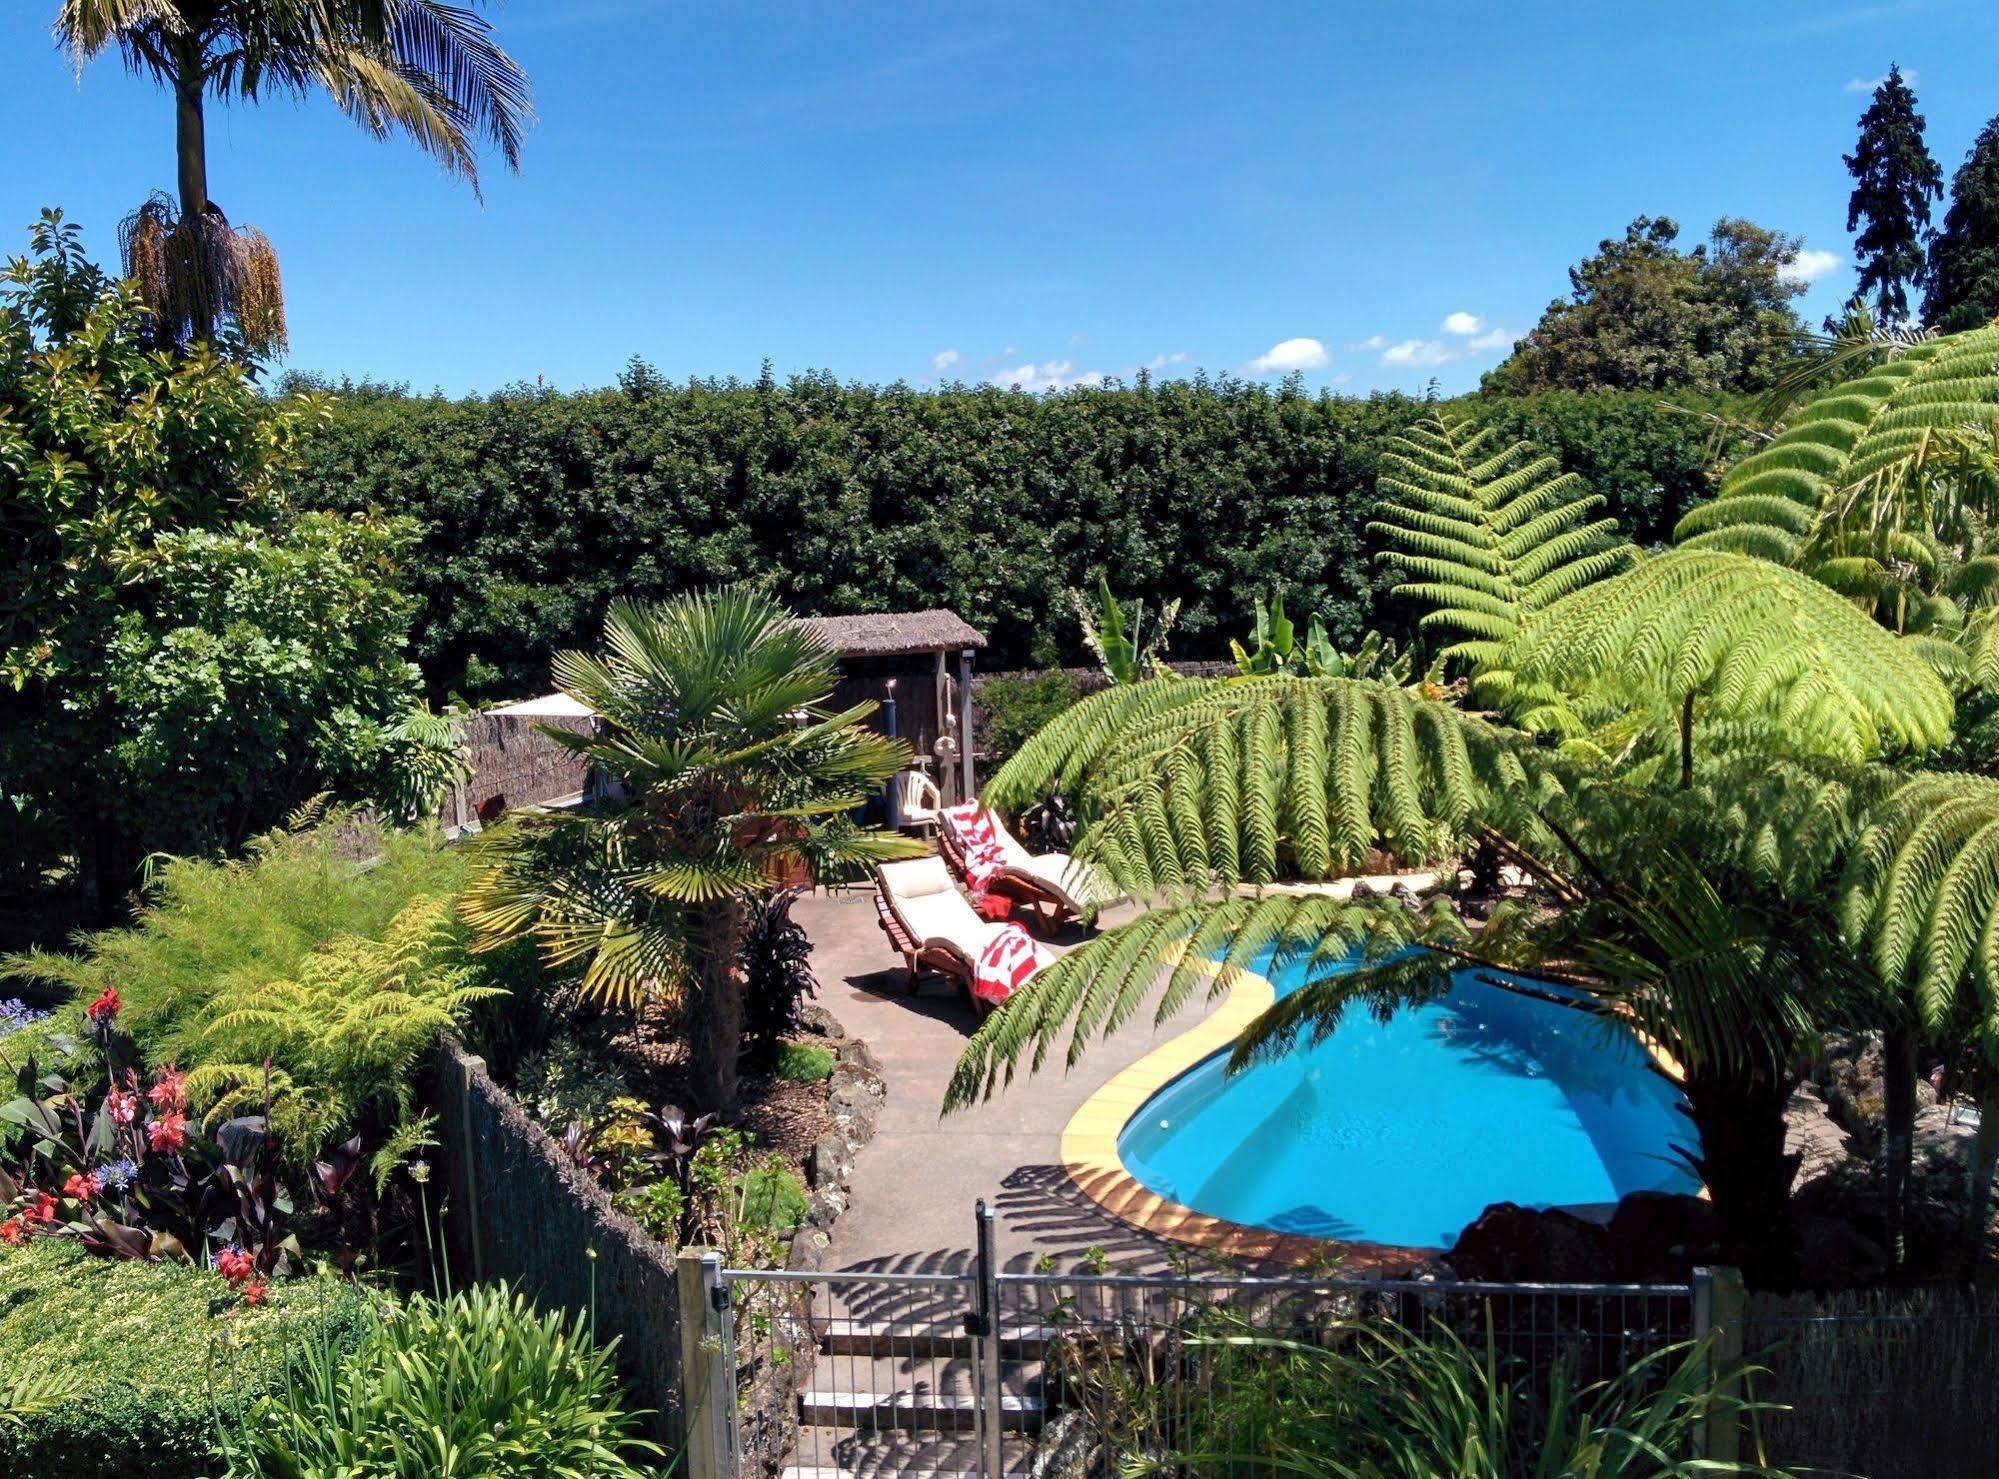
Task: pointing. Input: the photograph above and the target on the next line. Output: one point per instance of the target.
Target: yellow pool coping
(1090, 1146)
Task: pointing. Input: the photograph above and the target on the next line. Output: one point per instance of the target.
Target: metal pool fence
(981, 1372)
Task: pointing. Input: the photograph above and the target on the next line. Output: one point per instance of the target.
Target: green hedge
(156, 1346)
(537, 508)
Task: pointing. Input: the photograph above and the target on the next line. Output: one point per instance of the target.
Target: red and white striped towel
(1006, 962)
(972, 829)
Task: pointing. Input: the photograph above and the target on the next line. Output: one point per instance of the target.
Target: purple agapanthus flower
(118, 1175)
(16, 1014)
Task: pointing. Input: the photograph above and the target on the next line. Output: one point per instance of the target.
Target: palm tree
(424, 68)
(712, 718)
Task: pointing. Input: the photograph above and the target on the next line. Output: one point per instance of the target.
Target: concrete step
(919, 1411)
(875, 1338)
(834, 1453)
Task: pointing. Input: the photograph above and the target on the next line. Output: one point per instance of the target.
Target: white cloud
(943, 359)
(1163, 361)
(1372, 341)
(1463, 324)
(1288, 355)
(1868, 84)
(1055, 374)
(1811, 266)
(1492, 339)
(1417, 353)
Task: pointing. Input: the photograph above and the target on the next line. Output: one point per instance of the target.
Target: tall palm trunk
(715, 1014)
(191, 142)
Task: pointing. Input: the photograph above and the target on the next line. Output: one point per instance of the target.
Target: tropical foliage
(476, 1382)
(1491, 532)
(342, 1043)
(1381, 1399)
(421, 68)
(713, 719)
(1737, 851)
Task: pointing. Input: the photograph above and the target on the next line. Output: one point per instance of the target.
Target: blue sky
(1036, 191)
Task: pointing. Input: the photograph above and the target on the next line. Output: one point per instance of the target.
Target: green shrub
(568, 1082)
(1017, 705)
(476, 1384)
(772, 1198)
(539, 508)
(804, 1063)
(150, 1358)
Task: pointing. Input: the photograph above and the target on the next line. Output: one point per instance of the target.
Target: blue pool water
(1403, 1132)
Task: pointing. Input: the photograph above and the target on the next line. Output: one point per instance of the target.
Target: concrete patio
(915, 1186)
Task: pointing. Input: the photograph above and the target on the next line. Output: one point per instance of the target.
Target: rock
(1659, 1237)
(1834, 1254)
(808, 1250)
(1511, 1244)
(821, 1023)
(830, 1162)
(854, 1090)
(855, 1050)
(825, 1207)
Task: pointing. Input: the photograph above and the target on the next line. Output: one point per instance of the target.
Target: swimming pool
(1403, 1132)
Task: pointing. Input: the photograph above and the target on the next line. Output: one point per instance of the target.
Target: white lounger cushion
(1082, 882)
(926, 898)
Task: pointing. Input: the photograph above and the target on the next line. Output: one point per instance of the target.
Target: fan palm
(420, 67)
(713, 718)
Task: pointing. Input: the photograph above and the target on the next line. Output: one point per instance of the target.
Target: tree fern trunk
(1748, 1170)
(1984, 1160)
(715, 1014)
(1898, 1050)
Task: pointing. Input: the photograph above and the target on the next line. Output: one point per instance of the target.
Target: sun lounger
(1053, 885)
(931, 926)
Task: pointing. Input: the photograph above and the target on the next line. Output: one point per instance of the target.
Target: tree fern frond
(1493, 534)
(1747, 638)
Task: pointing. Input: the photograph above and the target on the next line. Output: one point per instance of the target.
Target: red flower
(83, 1188)
(234, 1264)
(105, 1007)
(254, 1291)
(167, 1131)
(166, 1091)
(44, 1209)
(124, 1107)
(11, 1231)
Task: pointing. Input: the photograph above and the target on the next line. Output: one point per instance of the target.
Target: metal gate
(967, 1372)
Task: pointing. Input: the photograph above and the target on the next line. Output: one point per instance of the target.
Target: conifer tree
(1895, 179)
(1964, 258)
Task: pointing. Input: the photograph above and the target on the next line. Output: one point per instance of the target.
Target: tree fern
(1492, 532)
(343, 1037)
(1189, 784)
(1835, 484)
(1922, 894)
(1696, 632)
